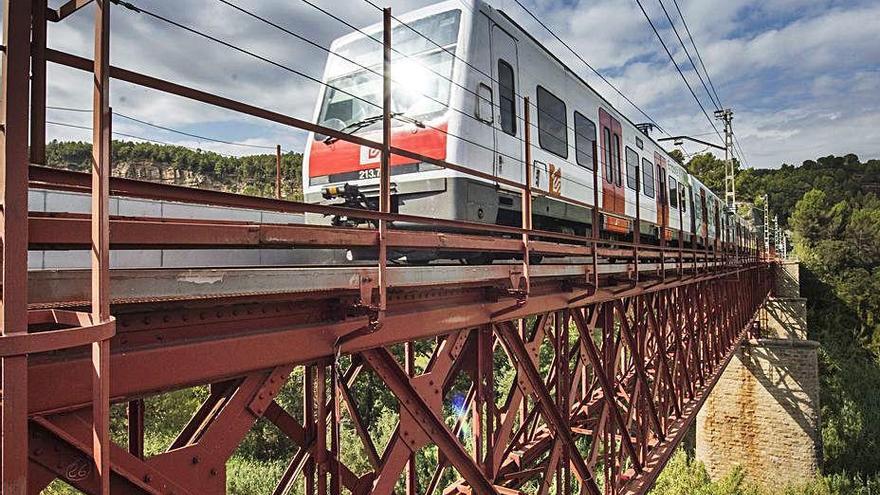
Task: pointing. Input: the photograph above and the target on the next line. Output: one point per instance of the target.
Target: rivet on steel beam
(148, 478)
(213, 471)
(196, 460)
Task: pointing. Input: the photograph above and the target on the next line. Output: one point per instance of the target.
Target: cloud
(802, 75)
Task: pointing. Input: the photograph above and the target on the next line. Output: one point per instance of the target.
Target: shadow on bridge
(787, 371)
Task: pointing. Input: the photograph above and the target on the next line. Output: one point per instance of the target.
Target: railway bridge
(581, 373)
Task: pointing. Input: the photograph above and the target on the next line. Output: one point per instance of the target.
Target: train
(462, 74)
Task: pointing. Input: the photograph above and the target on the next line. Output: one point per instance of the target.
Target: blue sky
(803, 76)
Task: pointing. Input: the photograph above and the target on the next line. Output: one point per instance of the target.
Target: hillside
(252, 174)
(838, 176)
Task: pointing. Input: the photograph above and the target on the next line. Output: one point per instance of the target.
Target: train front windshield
(421, 74)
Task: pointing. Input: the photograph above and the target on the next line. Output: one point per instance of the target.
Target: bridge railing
(25, 51)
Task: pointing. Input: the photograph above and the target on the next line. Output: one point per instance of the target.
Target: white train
(459, 98)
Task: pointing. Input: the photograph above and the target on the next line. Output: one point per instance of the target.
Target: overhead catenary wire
(697, 52)
(227, 44)
(165, 128)
(480, 71)
(132, 136)
(299, 73)
(677, 68)
(581, 58)
(688, 53)
(741, 152)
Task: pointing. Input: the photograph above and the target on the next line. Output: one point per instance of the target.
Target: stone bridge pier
(763, 414)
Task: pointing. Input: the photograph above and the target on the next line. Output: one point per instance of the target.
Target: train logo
(370, 155)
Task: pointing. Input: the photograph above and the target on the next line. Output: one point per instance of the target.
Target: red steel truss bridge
(564, 377)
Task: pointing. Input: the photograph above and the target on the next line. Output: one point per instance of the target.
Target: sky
(802, 76)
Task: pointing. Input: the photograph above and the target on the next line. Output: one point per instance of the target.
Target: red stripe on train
(343, 156)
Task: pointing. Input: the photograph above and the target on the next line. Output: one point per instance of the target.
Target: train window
(615, 153)
(632, 168)
(684, 198)
(584, 140)
(648, 177)
(507, 101)
(552, 123)
(673, 192)
(661, 185)
(484, 108)
(609, 165)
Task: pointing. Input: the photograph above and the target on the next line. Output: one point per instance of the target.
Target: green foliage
(683, 476)
(677, 155)
(252, 174)
(710, 170)
(838, 177)
(838, 240)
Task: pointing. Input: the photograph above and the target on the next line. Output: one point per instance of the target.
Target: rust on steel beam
(535, 438)
(384, 364)
(38, 82)
(59, 231)
(13, 221)
(640, 484)
(213, 353)
(511, 339)
(100, 244)
(70, 7)
(586, 340)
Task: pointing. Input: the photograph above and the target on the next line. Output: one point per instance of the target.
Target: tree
(253, 174)
(677, 155)
(709, 169)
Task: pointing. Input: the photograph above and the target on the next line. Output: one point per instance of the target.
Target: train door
(704, 210)
(613, 194)
(508, 145)
(690, 195)
(662, 196)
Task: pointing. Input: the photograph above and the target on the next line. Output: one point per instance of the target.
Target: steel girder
(585, 399)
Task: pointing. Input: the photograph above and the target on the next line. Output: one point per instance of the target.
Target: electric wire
(697, 51)
(672, 59)
(132, 136)
(446, 49)
(579, 57)
(287, 68)
(164, 128)
(688, 53)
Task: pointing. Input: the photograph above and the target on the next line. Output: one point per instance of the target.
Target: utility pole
(776, 237)
(726, 116)
(767, 224)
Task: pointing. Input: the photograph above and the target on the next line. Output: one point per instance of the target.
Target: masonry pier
(763, 414)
